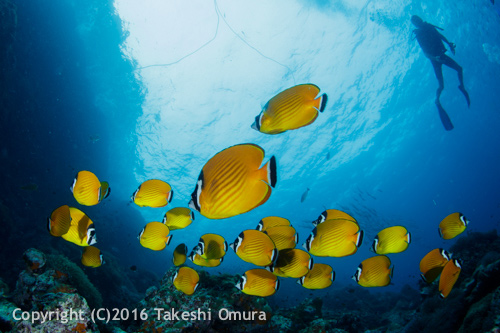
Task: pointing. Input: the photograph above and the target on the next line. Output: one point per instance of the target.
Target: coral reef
(53, 283)
(42, 290)
(216, 304)
(474, 303)
(76, 278)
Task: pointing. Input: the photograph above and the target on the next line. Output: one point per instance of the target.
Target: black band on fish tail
(324, 99)
(273, 175)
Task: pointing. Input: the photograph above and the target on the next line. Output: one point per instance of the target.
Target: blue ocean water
(140, 91)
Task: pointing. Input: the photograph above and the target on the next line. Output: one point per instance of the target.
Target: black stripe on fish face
(463, 219)
(140, 234)
(258, 122)
(260, 226)
(72, 187)
(375, 244)
(195, 196)
(357, 275)
(238, 242)
(91, 236)
(134, 194)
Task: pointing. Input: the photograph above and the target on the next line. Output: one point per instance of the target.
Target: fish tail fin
(271, 176)
(169, 239)
(322, 102)
(408, 238)
(392, 272)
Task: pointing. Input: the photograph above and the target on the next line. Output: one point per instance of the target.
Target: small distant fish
(212, 246)
(391, 240)
(293, 263)
(272, 221)
(255, 247)
(432, 264)
(200, 261)
(94, 138)
(449, 276)
(258, 282)
(186, 280)
(81, 231)
(92, 257)
(178, 218)
(334, 238)
(283, 237)
(86, 188)
(233, 182)
(374, 272)
(155, 236)
(304, 195)
(59, 221)
(333, 214)
(30, 187)
(320, 276)
(453, 225)
(292, 108)
(180, 254)
(133, 268)
(328, 156)
(153, 193)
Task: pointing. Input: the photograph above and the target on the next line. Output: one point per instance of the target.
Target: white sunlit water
(378, 151)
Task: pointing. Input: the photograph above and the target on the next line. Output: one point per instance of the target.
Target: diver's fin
(444, 117)
(466, 94)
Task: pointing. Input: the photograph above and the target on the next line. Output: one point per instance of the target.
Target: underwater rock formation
(41, 289)
(216, 305)
(474, 303)
(53, 283)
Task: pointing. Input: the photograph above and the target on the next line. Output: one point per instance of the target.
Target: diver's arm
(450, 44)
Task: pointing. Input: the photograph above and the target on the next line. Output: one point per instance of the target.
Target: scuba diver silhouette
(431, 42)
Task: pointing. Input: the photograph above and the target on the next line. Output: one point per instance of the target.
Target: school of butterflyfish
(235, 181)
